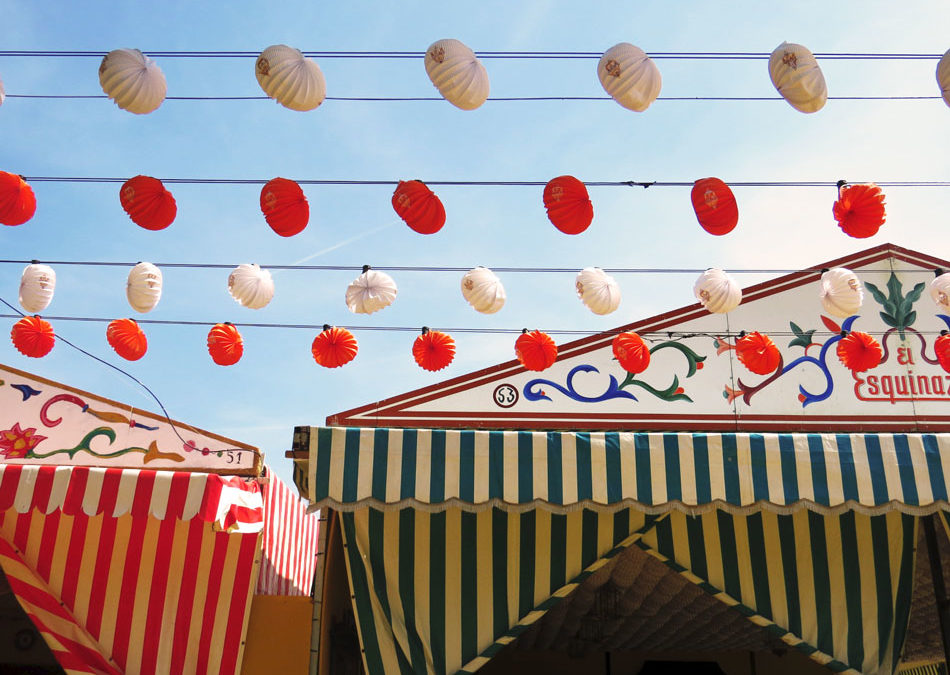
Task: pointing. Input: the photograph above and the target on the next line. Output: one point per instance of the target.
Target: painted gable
(45, 422)
(696, 382)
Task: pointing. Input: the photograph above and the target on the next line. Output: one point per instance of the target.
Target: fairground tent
(693, 506)
(134, 543)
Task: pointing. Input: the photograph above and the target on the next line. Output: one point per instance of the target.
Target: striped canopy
(128, 571)
(458, 541)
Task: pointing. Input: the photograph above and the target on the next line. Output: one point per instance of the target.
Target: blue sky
(277, 385)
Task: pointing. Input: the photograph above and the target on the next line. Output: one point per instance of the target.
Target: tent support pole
(940, 590)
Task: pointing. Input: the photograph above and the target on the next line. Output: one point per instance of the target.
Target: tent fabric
(352, 468)
(137, 560)
(436, 591)
(457, 540)
(230, 502)
(836, 587)
(443, 592)
(289, 542)
(74, 649)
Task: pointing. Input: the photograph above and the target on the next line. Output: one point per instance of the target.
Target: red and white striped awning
(132, 571)
(290, 541)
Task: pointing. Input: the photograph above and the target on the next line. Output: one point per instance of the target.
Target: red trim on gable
(392, 411)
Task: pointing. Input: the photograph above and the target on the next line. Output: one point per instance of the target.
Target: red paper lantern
(334, 347)
(148, 203)
(568, 204)
(225, 344)
(535, 350)
(285, 207)
(758, 353)
(715, 206)
(416, 204)
(942, 348)
(632, 352)
(17, 201)
(859, 351)
(33, 336)
(859, 209)
(127, 339)
(433, 350)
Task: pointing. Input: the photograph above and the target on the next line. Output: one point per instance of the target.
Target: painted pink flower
(17, 442)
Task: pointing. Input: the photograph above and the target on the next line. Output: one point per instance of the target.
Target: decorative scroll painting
(43, 422)
(696, 381)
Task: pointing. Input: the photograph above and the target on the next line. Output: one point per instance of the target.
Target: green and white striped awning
(433, 470)
(458, 541)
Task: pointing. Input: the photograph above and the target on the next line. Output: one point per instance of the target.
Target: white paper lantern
(717, 291)
(599, 292)
(132, 80)
(144, 288)
(36, 287)
(797, 76)
(251, 286)
(457, 73)
(482, 289)
(629, 76)
(370, 292)
(290, 78)
(940, 292)
(841, 292)
(943, 76)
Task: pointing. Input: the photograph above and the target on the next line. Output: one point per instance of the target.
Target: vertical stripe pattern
(141, 570)
(155, 596)
(429, 468)
(289, 542)
(812, 580)
(436, 591)
(458, 540)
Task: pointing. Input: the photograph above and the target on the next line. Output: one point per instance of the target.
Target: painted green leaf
(802, 338)
(875, 292)
(898, 309)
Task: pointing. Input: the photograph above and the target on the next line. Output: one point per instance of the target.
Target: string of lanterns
(840, 294)
(859, 209)
(136, 83)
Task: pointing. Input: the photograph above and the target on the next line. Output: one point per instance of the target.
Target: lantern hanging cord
(60, 338)
(478, 183)
(435, 268)
(653, 335)
(487, 54)
(498, 99)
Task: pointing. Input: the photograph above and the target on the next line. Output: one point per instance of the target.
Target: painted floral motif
(16, 443)
(534, 390)
(857, 351)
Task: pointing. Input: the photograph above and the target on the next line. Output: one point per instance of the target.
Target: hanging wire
(664, 334)
(319, 327)
(384, 54)
(503, 99)
(441, 268)
(60, 338)
(480, 183)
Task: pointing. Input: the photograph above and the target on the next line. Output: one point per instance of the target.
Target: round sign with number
(505, 395)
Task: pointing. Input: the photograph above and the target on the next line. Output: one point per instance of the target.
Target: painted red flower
(859, 351)
(17, 442)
